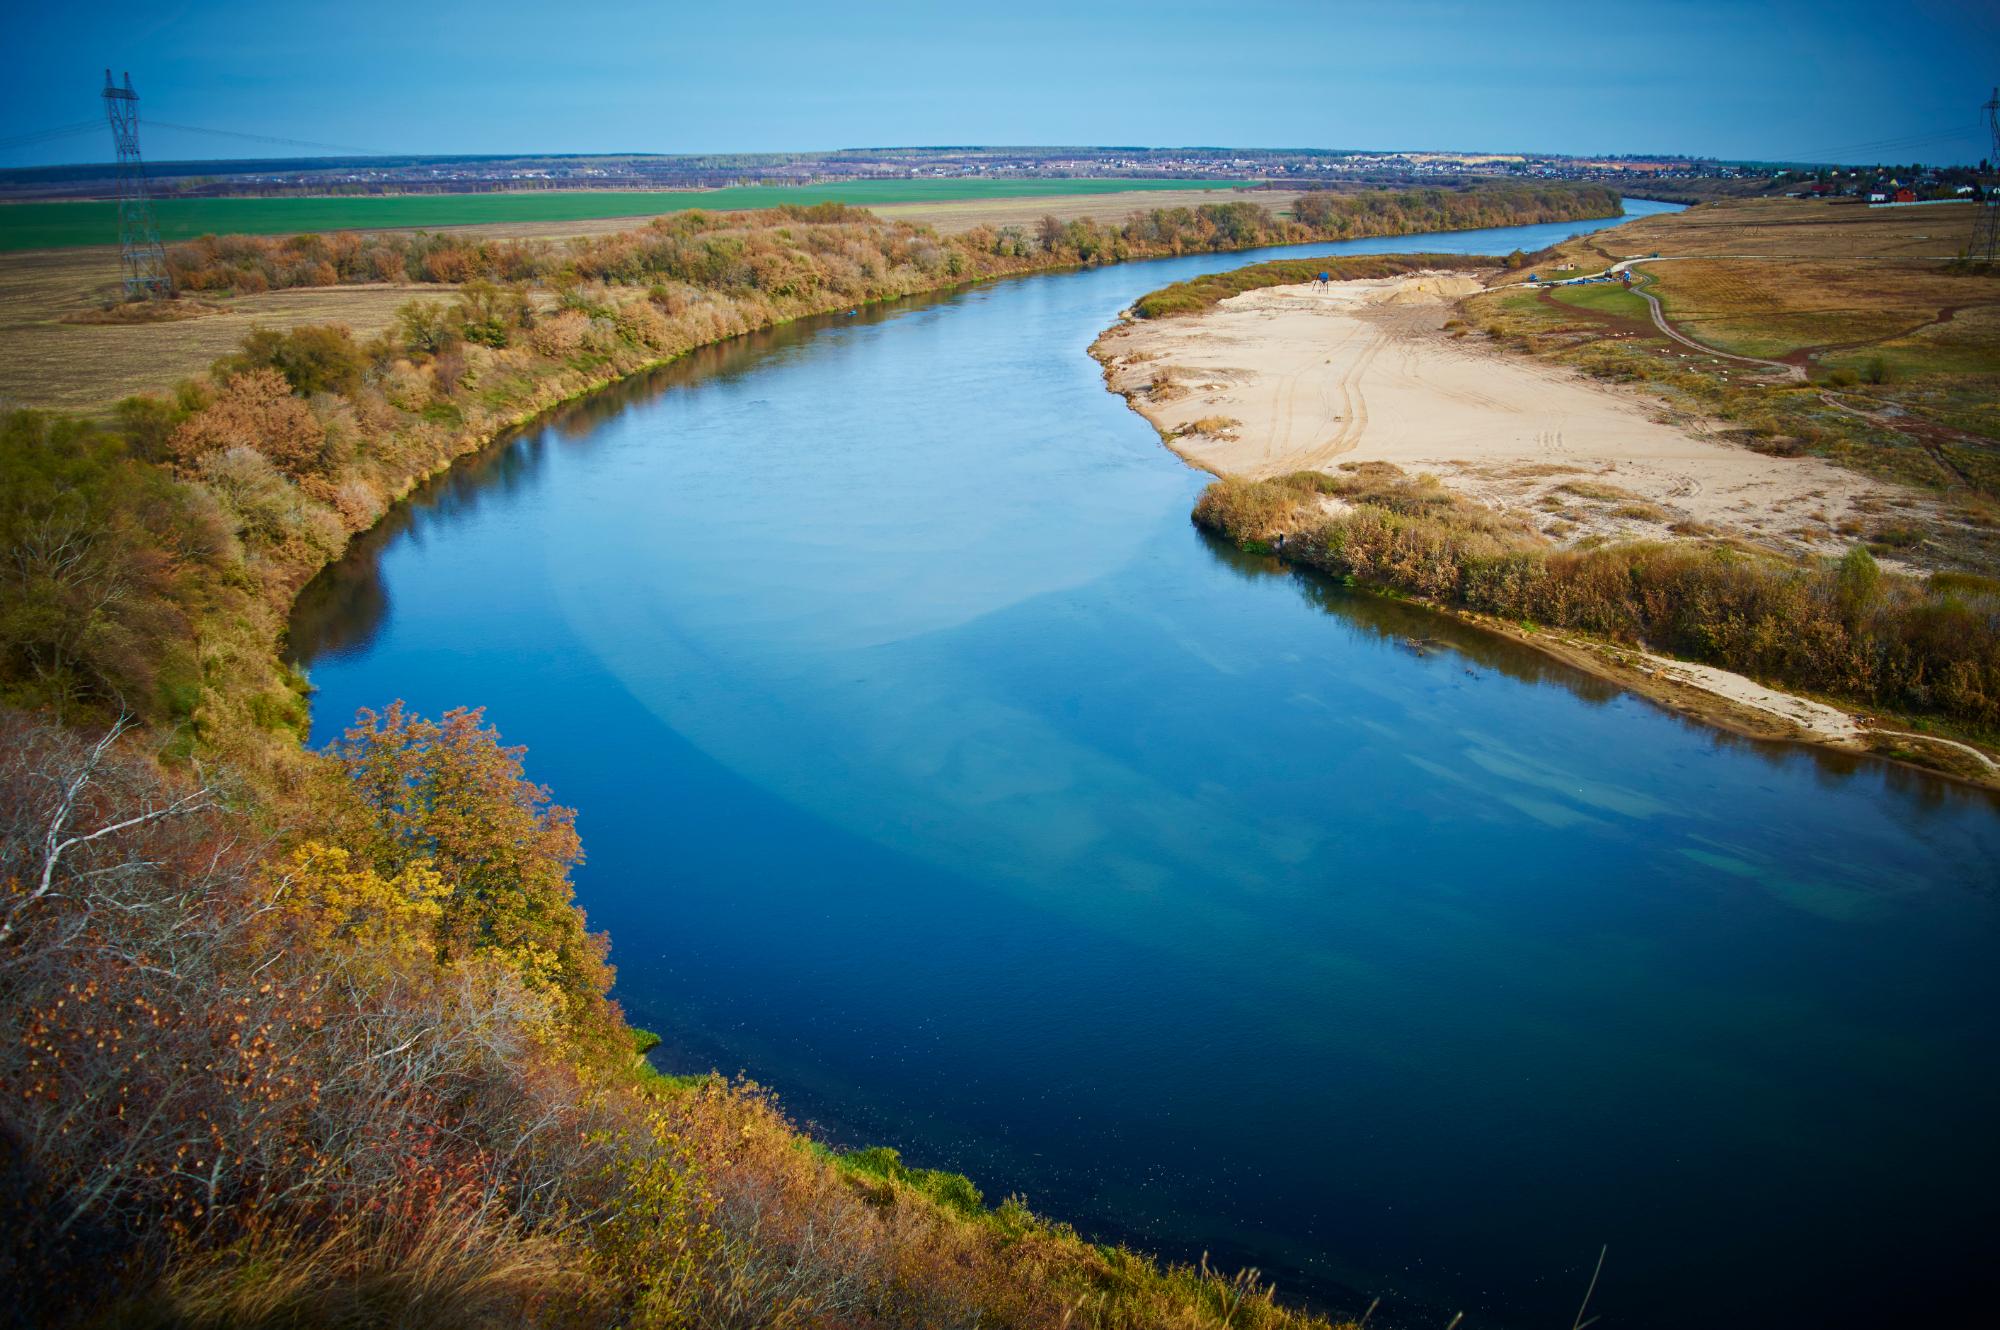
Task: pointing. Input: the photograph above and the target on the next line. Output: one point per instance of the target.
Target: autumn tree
(489, 314)
(448, 796)
(331, 899)
(1049, 231)
(256, 410)
(211, 1067)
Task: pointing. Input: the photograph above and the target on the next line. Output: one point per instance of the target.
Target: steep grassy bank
(324, 1039)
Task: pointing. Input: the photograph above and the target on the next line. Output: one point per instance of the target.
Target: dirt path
(1796, 373)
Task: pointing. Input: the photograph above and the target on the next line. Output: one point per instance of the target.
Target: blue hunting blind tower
(138, 238)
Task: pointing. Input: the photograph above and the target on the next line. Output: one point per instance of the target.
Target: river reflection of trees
(1404, 623)
(343, 608)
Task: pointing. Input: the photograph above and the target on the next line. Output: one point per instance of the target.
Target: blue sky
(1780, 79)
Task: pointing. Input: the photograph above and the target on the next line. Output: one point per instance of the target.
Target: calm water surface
(936, 772)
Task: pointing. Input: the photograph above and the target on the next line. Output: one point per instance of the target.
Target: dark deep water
(936, 772)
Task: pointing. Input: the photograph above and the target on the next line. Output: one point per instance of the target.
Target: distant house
(1906, 195)
(1878, 197)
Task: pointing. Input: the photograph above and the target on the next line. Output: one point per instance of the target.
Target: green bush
(317, 358)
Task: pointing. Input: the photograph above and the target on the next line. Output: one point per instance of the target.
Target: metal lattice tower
(138, 237)
(1986, 236)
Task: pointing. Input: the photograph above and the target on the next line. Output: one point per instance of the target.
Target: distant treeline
(1843, 627)
(709, 249)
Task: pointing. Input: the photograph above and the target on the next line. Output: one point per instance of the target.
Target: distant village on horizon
(1289, 168)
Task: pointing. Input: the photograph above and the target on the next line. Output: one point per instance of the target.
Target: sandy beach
(1293, 378)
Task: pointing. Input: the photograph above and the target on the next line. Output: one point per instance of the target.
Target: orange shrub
(256, 410)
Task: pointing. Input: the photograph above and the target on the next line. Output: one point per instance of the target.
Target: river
(936, 772)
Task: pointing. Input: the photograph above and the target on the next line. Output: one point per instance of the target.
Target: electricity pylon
(1986, 230)
(138, 237)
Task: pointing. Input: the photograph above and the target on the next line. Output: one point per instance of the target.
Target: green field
(63, 225)
(1605, 298)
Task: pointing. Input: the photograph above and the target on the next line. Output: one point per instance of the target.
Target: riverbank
(953, 690)
(1308, 376)
(208, 510)
(305, 438)
(1740, 705)
(1301, 384)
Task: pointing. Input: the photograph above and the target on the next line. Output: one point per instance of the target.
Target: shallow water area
(936, 772)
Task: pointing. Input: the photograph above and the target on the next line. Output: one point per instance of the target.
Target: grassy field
(1784, 307)
(49, 359)
(30, 226)
(1900, 346)
(1795, 228)
(1610, 298)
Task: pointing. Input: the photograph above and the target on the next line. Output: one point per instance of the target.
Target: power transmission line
(268, 138)
(1879, 148)
(49, 135)
(54, 133)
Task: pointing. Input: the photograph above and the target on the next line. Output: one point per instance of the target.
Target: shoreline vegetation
(324, 1036)
(1923, 648)
(1674, 619)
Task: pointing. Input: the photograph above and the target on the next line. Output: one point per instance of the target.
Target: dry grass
(1592, 489)
(1843, 628)
(48, 360)
(1866, 300)
(1797, 228)
(1773, 309)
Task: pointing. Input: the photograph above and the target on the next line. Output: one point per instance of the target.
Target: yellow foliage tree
(335, 901)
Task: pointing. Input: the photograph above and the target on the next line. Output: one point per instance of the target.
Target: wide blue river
(936, 772)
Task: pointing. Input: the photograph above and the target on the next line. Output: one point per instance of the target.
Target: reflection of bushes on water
(1395, 621)
(1841, 627)
(1388, 618)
